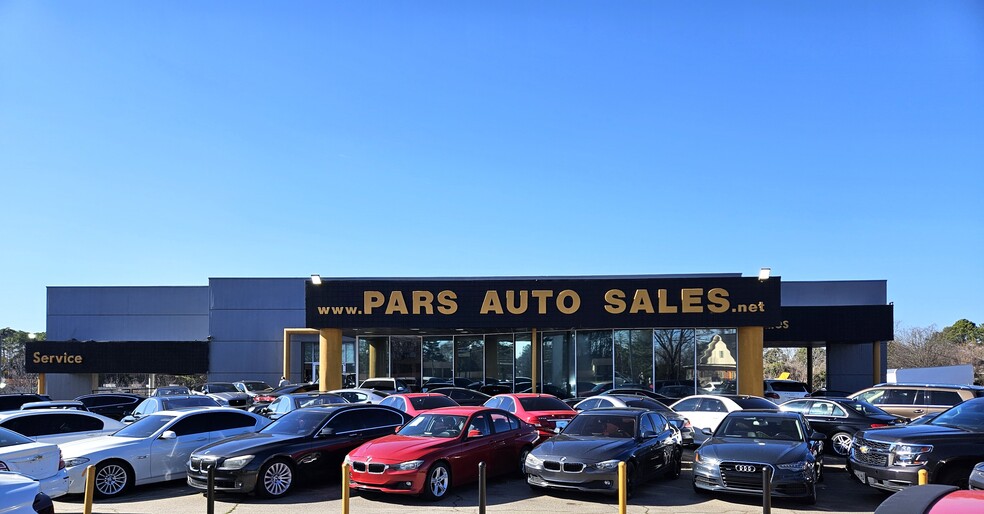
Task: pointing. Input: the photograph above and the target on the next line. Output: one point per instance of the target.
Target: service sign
(509, 303)
(171, 357)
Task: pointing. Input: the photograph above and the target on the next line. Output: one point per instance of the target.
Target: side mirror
(397, 430)
(649, 434)
(706, 431)
(474, 433)
(327, 431)
(264, 410)
(168, 434)
(128, 419)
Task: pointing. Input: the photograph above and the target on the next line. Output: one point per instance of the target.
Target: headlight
(347, 460)
(77, 461)
(800, 465)
(408, 465)
(235, 462)
(910, 454)
(533, 461)
(607, 464)
(705, 461)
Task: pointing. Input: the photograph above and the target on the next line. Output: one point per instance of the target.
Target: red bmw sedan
(441, 448)
(544, 411)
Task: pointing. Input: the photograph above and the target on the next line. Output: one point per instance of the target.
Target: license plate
(561, 423)
(861, 476)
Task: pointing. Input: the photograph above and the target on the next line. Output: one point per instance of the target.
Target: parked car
(545, 412)
(253, 388)
(435, 382)
(54, 404)
(152, 449)
(665, 400)
(440, 449)
(933, 499)
(925, 418)
(159, 403)
(57, 426)
(226, 394)
(780, 391)
(36, 460)
(839, 418)
(745, 442)
(22, 494)
(550, 389)
(585, 456)
(111, 405)
(947, 447)
(13, 401)
(261, 400)
(914, 400)
(386, 385)
(290, 402)
(823, 391)
(463, 396)
(605, 386)
(976, 479)
(357, 395)
(171, 391)
(706, 411)
(678, 420)
(305, 442)
(415, 403)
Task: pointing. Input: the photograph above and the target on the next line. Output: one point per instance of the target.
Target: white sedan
(57, 426)
(360, 395)
(154, 448)
(707, 410)
(38, 461)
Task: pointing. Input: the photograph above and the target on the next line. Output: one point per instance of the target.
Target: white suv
(780, 391)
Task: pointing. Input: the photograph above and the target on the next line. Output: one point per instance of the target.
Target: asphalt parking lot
(836, 494)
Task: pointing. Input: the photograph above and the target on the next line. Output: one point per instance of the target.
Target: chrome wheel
(841, 443)
(438, 481)
(277, 479)
(111, 479)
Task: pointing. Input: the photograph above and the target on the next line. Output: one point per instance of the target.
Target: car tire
(113, 478)
(840, 443)
(522, 460)
(438, 482)
(811, 497)
(275, 478)
(676, 469)
(630, 479)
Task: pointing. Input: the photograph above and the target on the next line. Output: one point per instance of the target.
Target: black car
(177, 401)
(111, 405)
(840, 418)
(290, 402)
(463, 396)
(678, 420)
(585, 456)
(665, 400)
(13, 401)
(747, 441)
(305, 442)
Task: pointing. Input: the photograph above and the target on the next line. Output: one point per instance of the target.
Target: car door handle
(917, 411)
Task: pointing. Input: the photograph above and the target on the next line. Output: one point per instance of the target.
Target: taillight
(3, 466)
(878, 425)
(535, 421)
(774, 396)
(61, 461)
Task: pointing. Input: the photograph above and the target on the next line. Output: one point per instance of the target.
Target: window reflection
(469, 358)
(557, 377)
(524, 363)
(717, 360)
(595, 369)
(437, 355)
(405, 359)
(500, 366)
(634, 357)
(673, 355)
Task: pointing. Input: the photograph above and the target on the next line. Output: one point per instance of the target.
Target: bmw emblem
(368, 459)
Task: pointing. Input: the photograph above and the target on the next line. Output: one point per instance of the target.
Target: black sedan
(290, 402)
(585, 456)
(747, 442)
(306, 442)
(840, 418)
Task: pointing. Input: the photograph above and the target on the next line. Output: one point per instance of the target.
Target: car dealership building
(563, 335)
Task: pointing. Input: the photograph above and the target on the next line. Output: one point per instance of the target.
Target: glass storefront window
(673, 359)
(523, 379)
(557, 361)
(373, 357)
(717, 360)
(499, 365)
(595, 368)
(634, 357)
(438, 357)
(469, 358)
(405, 359)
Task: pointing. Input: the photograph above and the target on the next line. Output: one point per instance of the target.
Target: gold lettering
(761, 306)
(491, 303)
(371, 300)
(615, 301)
(517, 308)
(446, 300)
(542, 295)
(396, 303)
(690, 299)
(37, 357)
(641, 302)
(753, 307)
(664, 308)
(423, 302)
(574, 298)
(718, 299)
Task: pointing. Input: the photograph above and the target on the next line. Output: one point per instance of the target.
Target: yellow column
(42, 383)
(876, 362)
(330, 357)
(750, 374)
(536, 360)
(372, 360)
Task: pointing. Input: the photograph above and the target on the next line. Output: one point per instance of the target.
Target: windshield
(968, 415)
(191, 401)
(145, 426)
(760, 427)
(256, 386)
(434, 425)
(533, 404)
(602, 425)
(322, 399)
(298, 422)
(754, 403)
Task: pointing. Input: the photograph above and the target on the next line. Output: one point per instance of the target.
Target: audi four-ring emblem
(745, 468)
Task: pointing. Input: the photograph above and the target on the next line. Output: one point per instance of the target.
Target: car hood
(919, 433)
(399, 448)
(585, 447)
(96, 444)
(247, 443)
(757, 450)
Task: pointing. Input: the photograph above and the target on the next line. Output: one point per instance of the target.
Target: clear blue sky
(163, 143)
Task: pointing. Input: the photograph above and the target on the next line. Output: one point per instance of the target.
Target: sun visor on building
(841, 323)
(170, 357)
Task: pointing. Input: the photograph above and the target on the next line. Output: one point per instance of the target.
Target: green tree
(964, 331)
(12, 359)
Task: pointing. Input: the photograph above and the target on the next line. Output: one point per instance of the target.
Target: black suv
(946, 447)
(13, 401)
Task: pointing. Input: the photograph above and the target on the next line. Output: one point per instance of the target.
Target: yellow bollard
(623, 488)
(923, 477)
(345, 488)
(90, 488)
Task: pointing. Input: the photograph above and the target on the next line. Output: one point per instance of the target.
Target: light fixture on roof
(764, 273)
(316, 279)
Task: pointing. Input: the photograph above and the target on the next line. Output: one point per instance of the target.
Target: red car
(415, 403)
(544, 411)
(441, 448)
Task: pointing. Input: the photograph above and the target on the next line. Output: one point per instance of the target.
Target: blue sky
(163, 143)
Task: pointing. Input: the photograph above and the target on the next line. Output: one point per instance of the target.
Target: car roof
(462, 410)
(774, 413)
(181, 411)
(626, 411)
(917, 384)
(415, 395)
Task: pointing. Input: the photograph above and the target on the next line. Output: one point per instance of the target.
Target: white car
(38, 461)
(154, 448)
(781, 391)
(359, 395)
(22, 495)
(707, 410)
(58, 426)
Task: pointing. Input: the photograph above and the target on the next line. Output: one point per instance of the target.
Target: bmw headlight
(235, 462)
(800, 465)
(533, 461)
(77, 461)
(408, 465)
(607, 464)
